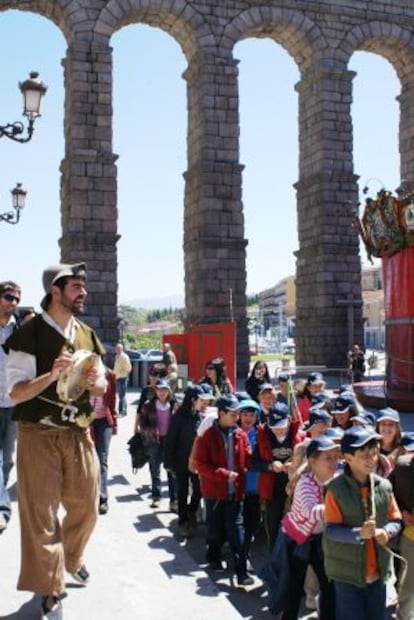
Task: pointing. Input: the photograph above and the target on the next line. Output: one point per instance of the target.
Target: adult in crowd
(104, 426)
(303, 524)
(154, 422)
(56, 458)
(356, 361)
(10, 294)
(222, 456)
(258, 376)
(122, 368)
(217, 378)
(168, 356)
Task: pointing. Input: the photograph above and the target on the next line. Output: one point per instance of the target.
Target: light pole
(33, 91)
(18, 201)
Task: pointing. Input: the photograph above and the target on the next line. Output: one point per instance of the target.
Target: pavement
(139, 565)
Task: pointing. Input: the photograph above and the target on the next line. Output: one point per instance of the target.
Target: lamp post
(33, 91)
(18, 201)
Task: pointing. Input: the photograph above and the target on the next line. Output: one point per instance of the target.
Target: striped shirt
(305, 516)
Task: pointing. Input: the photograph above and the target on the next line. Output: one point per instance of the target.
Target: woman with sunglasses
(217, 378)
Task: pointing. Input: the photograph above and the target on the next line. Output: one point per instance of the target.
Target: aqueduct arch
(321, 37)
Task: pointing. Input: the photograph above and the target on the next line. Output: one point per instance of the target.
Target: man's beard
(76, 306)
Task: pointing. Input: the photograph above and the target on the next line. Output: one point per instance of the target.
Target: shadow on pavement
(28, 611)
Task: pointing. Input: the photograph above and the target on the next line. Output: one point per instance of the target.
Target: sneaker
(245, 580)
(155, 502)
(51, 613)
(174, 506)
(82, 575)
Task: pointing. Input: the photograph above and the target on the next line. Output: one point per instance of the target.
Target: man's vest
(347, 561)
(41, 340)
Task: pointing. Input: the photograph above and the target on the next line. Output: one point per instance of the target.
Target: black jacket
(179, 440)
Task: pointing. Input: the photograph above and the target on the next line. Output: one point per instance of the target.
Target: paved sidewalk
(139, 568)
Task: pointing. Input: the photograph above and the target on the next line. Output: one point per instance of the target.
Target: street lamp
(33, 91)
(18, 200)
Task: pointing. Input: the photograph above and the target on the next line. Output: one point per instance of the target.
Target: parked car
(134, 355)
(153, 355)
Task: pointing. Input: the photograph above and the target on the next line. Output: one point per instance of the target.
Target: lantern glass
(18, 197)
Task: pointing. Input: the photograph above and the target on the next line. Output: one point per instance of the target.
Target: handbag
(137, 448)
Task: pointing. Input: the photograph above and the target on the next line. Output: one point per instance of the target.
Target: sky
(150, 139)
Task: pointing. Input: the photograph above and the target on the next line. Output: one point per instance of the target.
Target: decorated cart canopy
(387, 230)
(387, 223)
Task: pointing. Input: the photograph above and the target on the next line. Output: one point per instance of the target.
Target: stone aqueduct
(321, 36)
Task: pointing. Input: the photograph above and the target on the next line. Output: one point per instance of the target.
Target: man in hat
(56, 461)
(9, 299)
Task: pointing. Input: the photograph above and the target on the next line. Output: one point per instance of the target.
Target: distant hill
(156, 303)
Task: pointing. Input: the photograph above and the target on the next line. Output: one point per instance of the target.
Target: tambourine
(73, 381)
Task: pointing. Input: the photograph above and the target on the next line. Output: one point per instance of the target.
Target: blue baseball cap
(407, 441)
(283, 378)
(265, 386)
(334, 432)
(278, 416)
(343, 403)
(319, 399)
(242, 396)
(227, 402)
(317, 415)
(388, 414)
(202, 390)
(320, 444)
(366, 418)
(357, 437)
(249, 404)
(162, 384)
(315, 377)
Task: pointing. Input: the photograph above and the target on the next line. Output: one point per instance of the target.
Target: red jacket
(267, 479)
(211, 463)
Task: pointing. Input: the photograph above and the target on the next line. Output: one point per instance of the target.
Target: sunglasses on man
(10, 298)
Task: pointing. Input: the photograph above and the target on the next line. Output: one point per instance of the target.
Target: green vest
(347, 561)
(41, 340)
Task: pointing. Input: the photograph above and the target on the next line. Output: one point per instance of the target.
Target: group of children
(331, 484)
